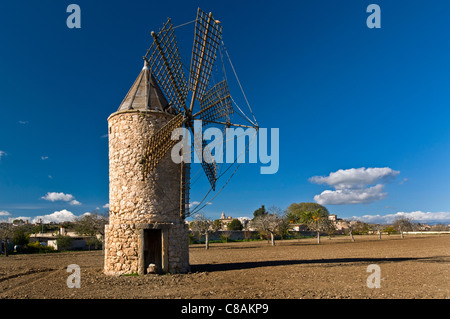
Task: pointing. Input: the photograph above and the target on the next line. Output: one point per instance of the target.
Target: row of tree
(19, 233)
(314, 217)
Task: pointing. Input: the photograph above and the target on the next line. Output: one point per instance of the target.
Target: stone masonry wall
(136, 202)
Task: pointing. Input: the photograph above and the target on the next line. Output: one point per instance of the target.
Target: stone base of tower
(146, 248)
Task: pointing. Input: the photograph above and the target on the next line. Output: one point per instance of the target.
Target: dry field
(415, 267)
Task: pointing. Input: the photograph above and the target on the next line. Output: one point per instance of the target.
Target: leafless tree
(225, 235)
(355, 226)
(403, 224)
(92, 224)
(378, 228)
(270, 223)
(203, 225)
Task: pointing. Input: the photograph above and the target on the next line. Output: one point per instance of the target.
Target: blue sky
(345, 98)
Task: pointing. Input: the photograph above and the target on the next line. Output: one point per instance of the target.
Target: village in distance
(299, 220)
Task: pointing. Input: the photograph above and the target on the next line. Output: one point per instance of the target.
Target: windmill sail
(159, 144)
(167, 68)
(208, 163)
(216, 104)
(208, 33)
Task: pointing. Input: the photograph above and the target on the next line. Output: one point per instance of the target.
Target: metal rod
(213, 104)
(238, 125)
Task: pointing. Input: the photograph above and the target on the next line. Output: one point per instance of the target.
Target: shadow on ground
(334, 261)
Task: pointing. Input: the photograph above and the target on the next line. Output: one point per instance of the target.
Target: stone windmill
(149, 192)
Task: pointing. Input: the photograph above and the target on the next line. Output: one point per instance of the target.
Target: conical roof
(144, 94)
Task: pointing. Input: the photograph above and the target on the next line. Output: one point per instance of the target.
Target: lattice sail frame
(159, 144)
(208, 33)
(167, 68)
(208, 163)
(216, 103)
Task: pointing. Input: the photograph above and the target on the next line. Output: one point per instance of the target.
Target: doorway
(152, 250)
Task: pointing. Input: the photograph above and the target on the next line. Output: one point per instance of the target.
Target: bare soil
(415, 267)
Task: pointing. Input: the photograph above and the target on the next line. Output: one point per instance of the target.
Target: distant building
(224, 220)
(339, 223)
(49, 239)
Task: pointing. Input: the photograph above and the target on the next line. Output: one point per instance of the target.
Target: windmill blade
(208, 33)
(209, 166)
(208, 163)
(167, 68)
(159, 144)
(216, 104)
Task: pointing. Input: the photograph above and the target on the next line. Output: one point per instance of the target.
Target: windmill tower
(149, 192)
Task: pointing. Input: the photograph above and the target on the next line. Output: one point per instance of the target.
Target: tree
(330, 228)
(64, 242)
(354, 227)
(20, 237)
(259, 212)
(93, 241)
(235, 224)
(302, 212)
(378, 228)
(318, 221)
(403, 224)
(269, 223)
(203, 225)
(389, 229)
(225, 235)
(6, 233)
(217, 224)
(92, 224)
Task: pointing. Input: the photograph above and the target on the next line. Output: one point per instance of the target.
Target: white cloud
(56, 217)
(355, 177)
(195, 204)
(416, 216)
(2, 153)
(354, 185)
(44, 158)
(55, 196)
(106, 205)
(351, 196)
(23, 122)
(4, 213)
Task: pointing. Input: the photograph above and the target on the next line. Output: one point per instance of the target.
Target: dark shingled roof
(145, 94)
